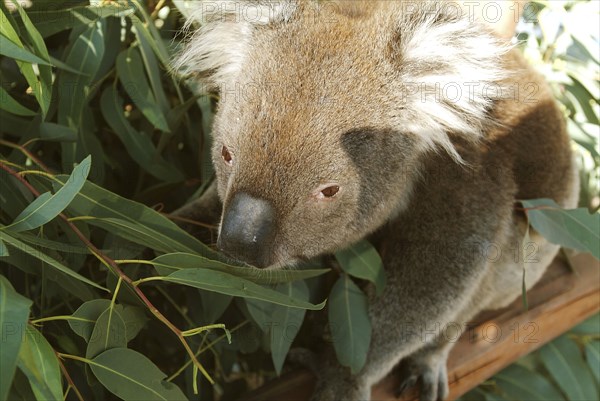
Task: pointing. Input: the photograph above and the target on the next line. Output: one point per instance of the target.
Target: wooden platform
(561, 300)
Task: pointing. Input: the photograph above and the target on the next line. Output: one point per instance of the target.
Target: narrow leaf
(131, 376)
(166, 264)
(520, 383)
(363, 261)
(86, 316)
(286, 323)
(131, 74)
(57, 132)
(46, 259)
(95, 201)
(592, 355)
(13, 50)
(138, 144)
(46, 206)
(350, 324)
(109, 332)
(576, 228)
(564, 361)
(14, 311)
(224, 283)
(12, 106)
(40, 364)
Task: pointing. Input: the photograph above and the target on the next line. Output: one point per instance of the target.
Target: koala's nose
(247, 229)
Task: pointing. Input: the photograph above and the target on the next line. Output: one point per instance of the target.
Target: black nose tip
(247, 229)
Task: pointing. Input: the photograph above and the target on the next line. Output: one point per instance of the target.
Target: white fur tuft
(219, 47)
(452, 73)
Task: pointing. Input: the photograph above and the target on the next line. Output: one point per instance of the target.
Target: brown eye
(330, 192)
(226, 156)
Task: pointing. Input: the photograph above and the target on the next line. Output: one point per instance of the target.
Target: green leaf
(576, 228)
(362, 260)
(131, 376)
(84, 56)
(12, 106)
(40, 364)
(57, 132)
(87, 315)
(51, 21)
(227, 284)
(143, 222)
(109, 332)
(589, 327)
(134, 318)
(130, 69)
(14, 311)
(46, 207)
(3, 249)
(592, 355)
(564, 361)
(520, 383)
(46, 259)
(11, 46)
(213, 305)
(166, 264)
(138, 144)
(13, 50)
(286, 322)
(350, 325)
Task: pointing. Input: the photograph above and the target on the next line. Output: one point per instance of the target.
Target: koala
(405, 123)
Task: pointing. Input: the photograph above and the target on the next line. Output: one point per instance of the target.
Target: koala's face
(305, 149)
(322, 119)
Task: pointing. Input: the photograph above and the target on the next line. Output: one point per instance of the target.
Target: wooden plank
(561, 300)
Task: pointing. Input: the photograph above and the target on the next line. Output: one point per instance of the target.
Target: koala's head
(325, 111)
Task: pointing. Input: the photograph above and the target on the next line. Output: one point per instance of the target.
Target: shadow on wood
(562, 299)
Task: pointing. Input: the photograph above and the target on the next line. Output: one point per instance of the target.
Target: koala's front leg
(423, 298)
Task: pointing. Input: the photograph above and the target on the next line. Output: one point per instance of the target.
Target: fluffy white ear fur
(452, 72)
(220, 45)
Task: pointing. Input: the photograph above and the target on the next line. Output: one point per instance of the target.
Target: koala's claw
(432, 379)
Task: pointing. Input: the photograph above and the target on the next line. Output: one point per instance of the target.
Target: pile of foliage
(102, 295)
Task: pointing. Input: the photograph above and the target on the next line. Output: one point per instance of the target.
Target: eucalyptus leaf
(130, 68)
(228, 284)
(286, 323)
(46, 207)
(520, 383)
(12, 106)
(14, 311)
(109, 332)
(132, 377)
(592, 356)
(141, 222)
(139, 145)
(4, 236)
(349, 323)
(40, 364)
(563, 359)
(56, 132)
(166, 264)
(362, 260)
(576, 228)
(86, 316)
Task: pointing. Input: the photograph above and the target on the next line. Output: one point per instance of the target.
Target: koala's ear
(451, 68)
(216, 51)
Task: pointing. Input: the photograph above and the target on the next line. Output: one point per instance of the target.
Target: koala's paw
(430, 374)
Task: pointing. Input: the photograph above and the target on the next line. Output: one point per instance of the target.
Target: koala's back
(526, 155)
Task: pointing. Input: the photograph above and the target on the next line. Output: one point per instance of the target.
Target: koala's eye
(330, 192)
(226, 155)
